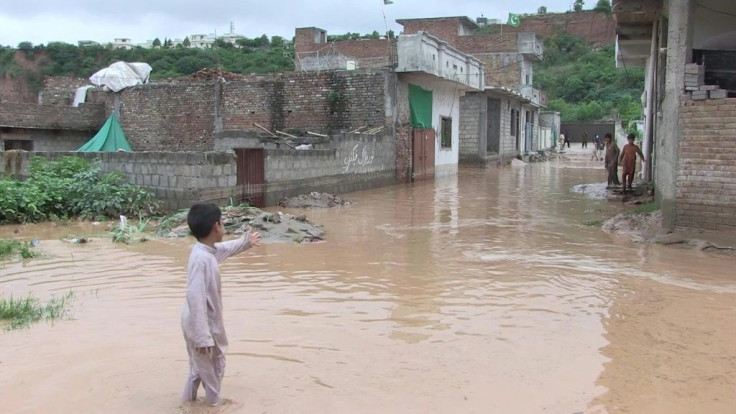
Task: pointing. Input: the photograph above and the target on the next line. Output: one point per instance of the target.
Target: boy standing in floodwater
(628, 160)
(201, 317)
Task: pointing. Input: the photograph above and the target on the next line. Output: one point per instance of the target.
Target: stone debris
(314, 200)
(695, 86)
(274, 227)
(214, 74)
(517, 163)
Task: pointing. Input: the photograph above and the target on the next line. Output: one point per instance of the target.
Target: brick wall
(488, 43)
(28, 115)
(179, 179)
(445, 29)
(60, 90)
(706, 172)
(403, 153)
(502, 69)
(181, 116)
(328, 102)
(595, 27)
(367, 53)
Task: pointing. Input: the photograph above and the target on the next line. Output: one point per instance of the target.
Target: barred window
(446, 132)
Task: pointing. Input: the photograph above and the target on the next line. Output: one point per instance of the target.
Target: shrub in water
(71, 187)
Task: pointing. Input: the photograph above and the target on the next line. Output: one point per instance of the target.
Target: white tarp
(121, 75)
(80, 96)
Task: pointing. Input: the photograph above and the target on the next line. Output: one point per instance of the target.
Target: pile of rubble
(214, 74)
(274, 227)
(695, 84)
(314, 200)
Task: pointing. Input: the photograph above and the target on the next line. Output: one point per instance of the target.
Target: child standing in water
(201, 318)
(628, 160)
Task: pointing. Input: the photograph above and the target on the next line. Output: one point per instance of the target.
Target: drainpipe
(649, 127)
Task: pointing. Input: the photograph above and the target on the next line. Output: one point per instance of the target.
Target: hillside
(583, 82)
(31, 63)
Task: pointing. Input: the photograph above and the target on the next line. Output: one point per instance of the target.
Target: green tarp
(110, 138)
(420, 106)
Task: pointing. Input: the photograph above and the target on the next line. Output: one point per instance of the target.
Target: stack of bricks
(696, 87)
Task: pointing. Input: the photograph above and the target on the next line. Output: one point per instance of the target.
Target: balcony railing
(530, 45)
(533, 95)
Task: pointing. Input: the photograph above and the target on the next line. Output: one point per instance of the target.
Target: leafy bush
(10, 248)
(71, 187)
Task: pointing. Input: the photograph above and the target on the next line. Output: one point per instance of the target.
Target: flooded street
(480, 293)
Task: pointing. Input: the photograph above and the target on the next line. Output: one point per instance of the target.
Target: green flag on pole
(514, 20)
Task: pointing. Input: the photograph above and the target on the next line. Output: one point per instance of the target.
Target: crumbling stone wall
(29, 115)
(329, 102)
(60, 90)
(403, 153)
(706, 171)
(472, 127)
(186, 115)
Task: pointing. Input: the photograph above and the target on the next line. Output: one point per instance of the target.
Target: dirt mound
(276, 227)
(314, 200)
(639, 226)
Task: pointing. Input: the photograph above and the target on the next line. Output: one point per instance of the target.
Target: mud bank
(647, 228)
(274, 227)
(314, 200)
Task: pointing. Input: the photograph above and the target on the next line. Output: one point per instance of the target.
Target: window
(18, 144)
(446, 132)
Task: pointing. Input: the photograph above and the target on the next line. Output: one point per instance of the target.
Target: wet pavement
(479, 293)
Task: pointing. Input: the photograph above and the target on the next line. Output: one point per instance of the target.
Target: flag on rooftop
(387, 2)
(514, 20)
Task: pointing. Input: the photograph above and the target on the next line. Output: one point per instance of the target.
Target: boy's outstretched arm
(230, 248)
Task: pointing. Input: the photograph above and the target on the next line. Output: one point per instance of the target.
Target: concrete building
(690, 109)
(425, 66)
(122, 43)
(501, 121)
(201, 41)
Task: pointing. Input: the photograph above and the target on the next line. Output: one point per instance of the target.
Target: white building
(201, 41)
(122, 43)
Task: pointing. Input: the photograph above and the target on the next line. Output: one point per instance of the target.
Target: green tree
(156, 42)
(578, 5)
(186, 42)
(603, 6)
(542, 10)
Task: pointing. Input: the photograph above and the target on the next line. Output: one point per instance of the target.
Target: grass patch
(644, 208)
(13, 248)
(128, 233)
(593, 223)
(21, 313)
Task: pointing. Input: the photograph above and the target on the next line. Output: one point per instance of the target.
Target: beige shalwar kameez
(201, 318)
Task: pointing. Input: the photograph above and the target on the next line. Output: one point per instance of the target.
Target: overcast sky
(43, 21)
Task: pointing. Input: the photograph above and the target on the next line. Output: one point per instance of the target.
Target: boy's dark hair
(608, 135)
(201, 218)
(631, 136)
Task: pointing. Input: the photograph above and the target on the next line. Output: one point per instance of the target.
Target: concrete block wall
(706, 171)
(472, 108)
(355, 162)
(179, 179)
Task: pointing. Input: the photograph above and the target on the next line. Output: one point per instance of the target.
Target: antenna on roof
(232, 26)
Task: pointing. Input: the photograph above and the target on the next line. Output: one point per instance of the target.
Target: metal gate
(423, 154)
(529, 137)
(251, 175)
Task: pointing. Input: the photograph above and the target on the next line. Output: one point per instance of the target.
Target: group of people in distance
(613, 157)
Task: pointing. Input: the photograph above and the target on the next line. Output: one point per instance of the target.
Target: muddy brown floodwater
(481, 293)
